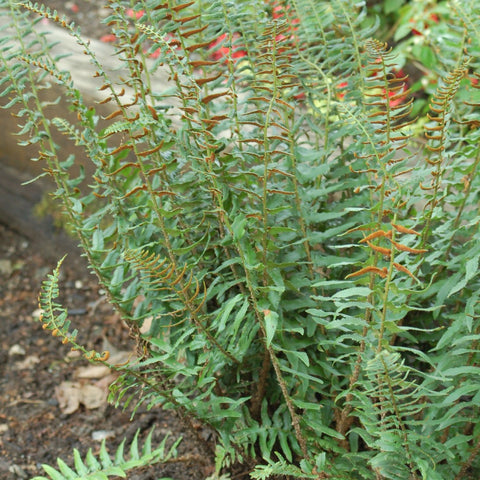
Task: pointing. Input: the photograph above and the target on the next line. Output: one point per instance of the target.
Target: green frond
(107, 465)
(54, 316)
(437, 129)
(387, 410)
(264, 472)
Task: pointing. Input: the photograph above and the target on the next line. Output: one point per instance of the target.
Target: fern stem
(445, 95)
(393, 400)
(385, 294)
(293, 415)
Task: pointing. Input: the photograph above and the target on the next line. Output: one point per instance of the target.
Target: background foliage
(302, 248)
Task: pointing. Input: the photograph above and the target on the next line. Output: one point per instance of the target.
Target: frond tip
(103, 467)
(382, 272)
(54, 317)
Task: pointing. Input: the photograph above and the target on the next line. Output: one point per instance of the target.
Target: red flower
(109, 38)
(432, 18)
(225, 52)
(340, 95)
(156, 53)
(133, 14)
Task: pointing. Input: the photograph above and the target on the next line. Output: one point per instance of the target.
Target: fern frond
(160, 275)
(55, 318)
(265, 472)
(106, 465)
(468, 13)
(387, 410)
(439, 134)
(437, 129)
(388, 111)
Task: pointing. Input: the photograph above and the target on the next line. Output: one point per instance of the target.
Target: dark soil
(33, 364)
(33, 429)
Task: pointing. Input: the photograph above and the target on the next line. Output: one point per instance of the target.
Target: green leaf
(97, 240)
(428, 470)
(390, 6)
(271, 323)
(453, 331)
(239, 317)
(67, 472)
(54, 474)
(293, 356)
(464, 370)
(238, 227)
(104, 456)
(147, 445)
(471, 267)
(283, 438)
(353, 292)
(91, 461)
(225, 312)
(427, 57)
(119, 453)
(448, 284)
(79, 465)
(134, 453)
(392, 327)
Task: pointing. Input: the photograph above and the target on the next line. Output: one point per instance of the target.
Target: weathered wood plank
(16, 212)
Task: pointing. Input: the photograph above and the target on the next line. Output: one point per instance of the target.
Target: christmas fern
(297, 263)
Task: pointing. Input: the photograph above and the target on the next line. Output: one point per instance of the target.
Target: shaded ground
(35, 366)
(36, 369)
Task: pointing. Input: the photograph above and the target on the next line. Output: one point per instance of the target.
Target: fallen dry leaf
(68, 397)
(100, 435)
(92, 371)
(71, 395)
(92, 396)
(27, 362)
(16, 350)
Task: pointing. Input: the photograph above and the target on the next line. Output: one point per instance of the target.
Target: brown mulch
(34, 427)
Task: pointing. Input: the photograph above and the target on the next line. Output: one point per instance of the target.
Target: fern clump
(299, 274)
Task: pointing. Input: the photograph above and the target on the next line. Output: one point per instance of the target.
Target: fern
(307, 272)
(106, 465)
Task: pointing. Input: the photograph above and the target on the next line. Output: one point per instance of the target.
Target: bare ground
(36, 369)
